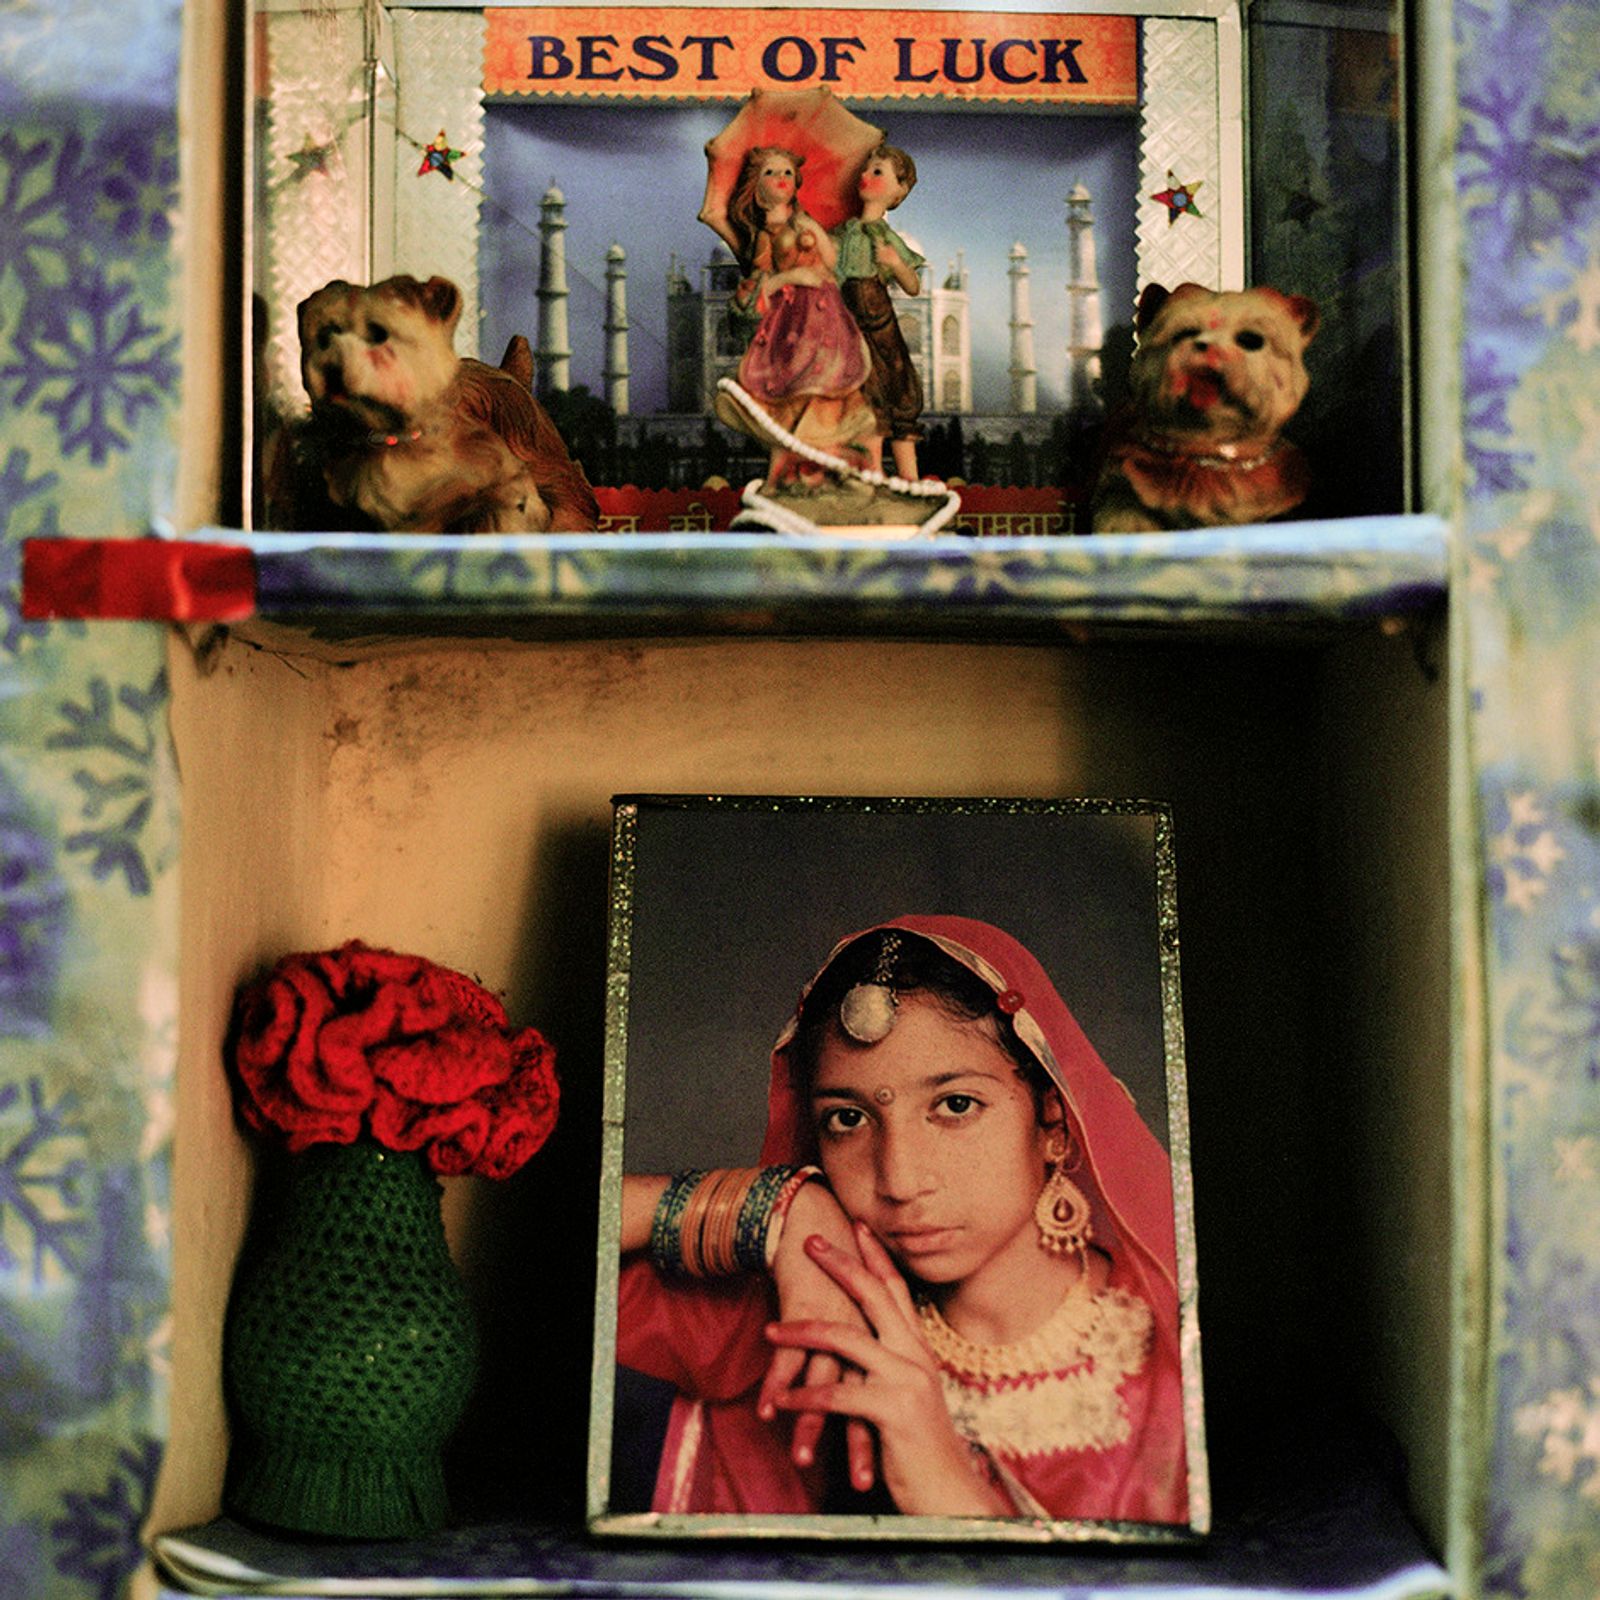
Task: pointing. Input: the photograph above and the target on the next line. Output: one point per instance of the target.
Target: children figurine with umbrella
(782, 175)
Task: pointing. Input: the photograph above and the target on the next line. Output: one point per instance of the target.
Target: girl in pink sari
(807, 361)
(983, 1281)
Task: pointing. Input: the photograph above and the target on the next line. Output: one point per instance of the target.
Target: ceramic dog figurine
(1214, 379)
(415, 438)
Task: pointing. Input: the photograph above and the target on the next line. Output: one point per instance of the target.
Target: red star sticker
(1178, 198)
(438, 157)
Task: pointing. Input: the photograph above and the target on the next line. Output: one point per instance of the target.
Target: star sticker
(1521, 890)
(1524, 809)
(311, 157)
(1178, 198)
(1580, 296)
(1575, 1159)
(438, 156)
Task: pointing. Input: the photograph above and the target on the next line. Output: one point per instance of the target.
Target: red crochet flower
(334, 1044)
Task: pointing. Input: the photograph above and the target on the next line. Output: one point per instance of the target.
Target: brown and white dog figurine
(1214, 379)
(415, 438)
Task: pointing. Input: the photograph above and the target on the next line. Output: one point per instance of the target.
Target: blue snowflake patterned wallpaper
(1528, 178)
(88, 395)
(89, 367)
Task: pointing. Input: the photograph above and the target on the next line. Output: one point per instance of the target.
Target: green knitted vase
(350, 1351)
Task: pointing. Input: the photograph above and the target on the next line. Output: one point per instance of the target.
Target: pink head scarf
(1124, 1170)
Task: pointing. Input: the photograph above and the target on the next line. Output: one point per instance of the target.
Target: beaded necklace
(1054, 1390)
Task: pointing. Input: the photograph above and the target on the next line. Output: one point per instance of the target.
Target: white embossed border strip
(313, 186)
(1191, 152)
(439, 71)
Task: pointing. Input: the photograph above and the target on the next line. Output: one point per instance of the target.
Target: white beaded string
(785, 520)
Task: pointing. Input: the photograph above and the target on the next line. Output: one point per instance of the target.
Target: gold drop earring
(1062, 1209)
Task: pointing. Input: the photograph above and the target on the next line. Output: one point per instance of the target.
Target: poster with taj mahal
(1007, 329)
(552, 162)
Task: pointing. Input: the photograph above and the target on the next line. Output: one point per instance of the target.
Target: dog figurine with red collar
(1214, 379)
(411, 438)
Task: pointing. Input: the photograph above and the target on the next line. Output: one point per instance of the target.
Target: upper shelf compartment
(1070, 163)
(341, 587)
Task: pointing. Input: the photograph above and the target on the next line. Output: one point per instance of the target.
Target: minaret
(1024, 373)
(1085, 335)
(616, 370)
(950, 319)
(553, 359)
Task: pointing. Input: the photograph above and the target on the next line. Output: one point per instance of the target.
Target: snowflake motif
(1522, 854)
(130, 187)
(1576, 1013)
(1568, 1422)
(40, 1193)
(1530, 171)
(1486, 387)
(121, 1296)
(114, 845)
(1482, 576)
(1523, 1077)
(1487, 390)
(1575, 1160)
(985, 573)
(34, 913)
(98, 1538)
(1507, 543)
(61, 204)
(507, 564)
(1503, 1554)
(100, 360)
(35, 235)
(18, 490)
(1574, 307)
(1551, 1299)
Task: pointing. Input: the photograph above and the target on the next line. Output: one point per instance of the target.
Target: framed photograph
(551, 162)
(912, 1256)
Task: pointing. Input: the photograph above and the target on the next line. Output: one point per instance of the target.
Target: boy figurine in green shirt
(871, 255)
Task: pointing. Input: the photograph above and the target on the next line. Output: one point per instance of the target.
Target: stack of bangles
(729, 1220)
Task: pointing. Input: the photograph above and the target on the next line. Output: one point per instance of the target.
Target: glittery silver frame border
(619, 962)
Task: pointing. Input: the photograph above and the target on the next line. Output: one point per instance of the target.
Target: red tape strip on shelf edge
(145, 580)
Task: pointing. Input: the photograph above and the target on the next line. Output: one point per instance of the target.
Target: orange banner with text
(716, 53)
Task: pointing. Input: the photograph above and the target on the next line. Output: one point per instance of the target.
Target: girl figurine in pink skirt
(807, 361)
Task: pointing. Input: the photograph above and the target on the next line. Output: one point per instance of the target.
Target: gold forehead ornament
(867, 1012)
